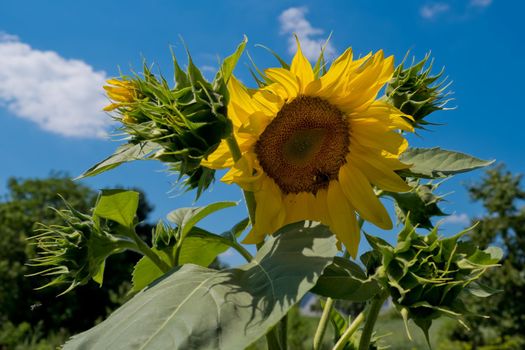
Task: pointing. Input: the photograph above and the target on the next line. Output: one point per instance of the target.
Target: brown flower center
(303, 148)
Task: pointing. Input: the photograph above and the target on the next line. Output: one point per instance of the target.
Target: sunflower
(314, 146)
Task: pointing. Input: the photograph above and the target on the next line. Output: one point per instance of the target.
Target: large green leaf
(118, 205)
(186, 218)
(125, 153)
(344, 279)
(435, 162)
(199, 308)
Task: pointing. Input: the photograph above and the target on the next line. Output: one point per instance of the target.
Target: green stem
(323, 323)
(349, 332)
(272, 341)
(283, 332)
(146, 250)
(243, 251)
(371, 319)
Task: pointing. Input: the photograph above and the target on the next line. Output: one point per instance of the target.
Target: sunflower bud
(416, 92)
(427, 276)
(75, 252)
(187, 121)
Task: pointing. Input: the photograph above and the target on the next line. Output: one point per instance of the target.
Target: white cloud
(430, 11)
(456, 219)
(293, 21)
(480, 3)
(63, 96)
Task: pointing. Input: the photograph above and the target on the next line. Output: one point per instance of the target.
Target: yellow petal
(327, 84)
(269, 214)
(378, 172)
(221, 158)
(360, 193)
(342, 218)
(244, 174)
(378, 137)
(240, 95)
(296, 207)
(302, 68)
(286, 79)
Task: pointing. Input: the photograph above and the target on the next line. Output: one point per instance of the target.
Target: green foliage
(187, 308)
(502, 195)
(125, 153)
(344, 279)
(420, 203)
(186, 243)
(118, 205)
(433, 163)
(178, 125)
(76, 251)
(427, 276)
(43, 320)
(187, 218)
(416, 92)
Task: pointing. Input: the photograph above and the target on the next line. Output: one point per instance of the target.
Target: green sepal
(76, 251)
(421, 203)
(225, 72)
(418, 93)
(124, 153)
(427, 276)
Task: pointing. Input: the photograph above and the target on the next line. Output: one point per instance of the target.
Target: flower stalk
(371, 319)
(323, 323)
(349, 332)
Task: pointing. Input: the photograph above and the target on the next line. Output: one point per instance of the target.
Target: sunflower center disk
(305, 145)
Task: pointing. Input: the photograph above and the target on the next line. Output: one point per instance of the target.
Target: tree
(501, 194)
(27, 203)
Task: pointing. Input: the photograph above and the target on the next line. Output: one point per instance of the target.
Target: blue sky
(55, 55)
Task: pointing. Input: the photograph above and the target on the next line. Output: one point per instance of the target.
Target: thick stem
(272, 340)
(371, 319)
(283, 330)
(349, 332)
(243, 251)
(323, 323)
(146, 250)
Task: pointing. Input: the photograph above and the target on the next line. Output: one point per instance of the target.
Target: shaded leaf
(344, 279)
(199, 308)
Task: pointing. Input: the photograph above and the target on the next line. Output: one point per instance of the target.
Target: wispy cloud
(61, 95)
(480, 3)
(456, 219)
(431, 11)
(292, 21)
